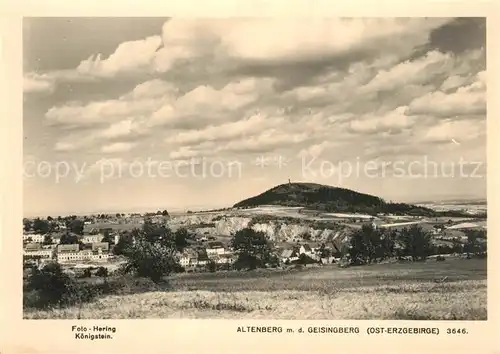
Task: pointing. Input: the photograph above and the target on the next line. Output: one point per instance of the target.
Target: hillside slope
(330, 199)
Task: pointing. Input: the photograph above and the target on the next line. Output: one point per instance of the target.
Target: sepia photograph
(254, 168)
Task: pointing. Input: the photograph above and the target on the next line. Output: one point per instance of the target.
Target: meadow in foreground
(450, 290)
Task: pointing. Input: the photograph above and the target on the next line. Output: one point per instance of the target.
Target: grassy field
(450, 290)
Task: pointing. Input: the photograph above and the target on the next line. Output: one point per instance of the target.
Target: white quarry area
(195, 219)
(227, 225)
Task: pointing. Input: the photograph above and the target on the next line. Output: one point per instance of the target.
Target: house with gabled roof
(305, 249)
(289, 255)
(215, 249)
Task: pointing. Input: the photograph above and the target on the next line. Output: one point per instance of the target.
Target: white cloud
(267, 141)
(227, 131)
(467, 100)
(78, 115)
(214, 118)
(117, 147)
(88, 138)
(107, 168)
(120, 129)
(231, 40)
(417, 71)
(65, 146)
(155, 88)
(460, 130)
(36, 84)
(316, 150)
(479, 85)
(184, 153)
(289, 39)
(156, 103)
(396, 120)
(453, 82)
(128, 57)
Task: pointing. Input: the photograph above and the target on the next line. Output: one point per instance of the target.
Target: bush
(416, 243)
(31, 298)
(212, 266)
(252, 247)
(78, 293)
(440, 258)
(50, 287)
(128, 285)
(102, 272)
(150, 260)
(50, 284)
(87, 273)
(305, 259)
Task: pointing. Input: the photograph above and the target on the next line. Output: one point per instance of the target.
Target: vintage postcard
(260, 181)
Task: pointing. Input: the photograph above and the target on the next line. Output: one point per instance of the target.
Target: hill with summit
(330, 199)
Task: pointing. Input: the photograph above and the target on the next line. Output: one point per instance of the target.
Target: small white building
(86, 255)
(92, 238)
(184, 260)
(215, 249)
(225, 259)
(37, 238)
(43, 253)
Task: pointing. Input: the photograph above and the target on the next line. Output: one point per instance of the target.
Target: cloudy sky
(128, 114)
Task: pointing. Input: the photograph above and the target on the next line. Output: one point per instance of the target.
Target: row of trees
(42, 226)
(369, 245)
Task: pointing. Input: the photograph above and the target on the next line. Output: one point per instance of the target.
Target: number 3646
(456, 331)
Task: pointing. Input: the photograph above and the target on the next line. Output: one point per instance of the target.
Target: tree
(76, 226)
(50, 218)
(69, 239)
(156, 233)
(212, 266)
(40, 226)
(108, 238)
(324, 252)
(87, 273)
(472, 245)
(149, 259)
(125, 241)
(53, 226)
(253, 248)
(102, 272)
(416, 242)
(47, 240)
(50, 282)
(152, 255)
(27, 225)
(181, 237)
(164, 213)
(388, 244)
(365, 245)
(306, 236)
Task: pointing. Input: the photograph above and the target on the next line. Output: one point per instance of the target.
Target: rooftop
(215, 244)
